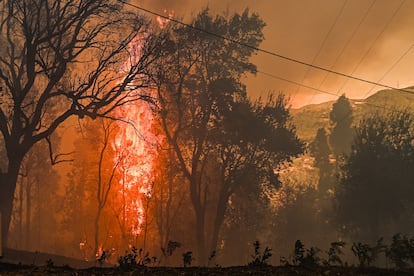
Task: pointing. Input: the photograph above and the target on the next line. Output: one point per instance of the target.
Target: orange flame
(134, 144)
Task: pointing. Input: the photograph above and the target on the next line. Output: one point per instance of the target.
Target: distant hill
(309, 118)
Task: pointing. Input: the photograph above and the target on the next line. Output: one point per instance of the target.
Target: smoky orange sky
(369, 39)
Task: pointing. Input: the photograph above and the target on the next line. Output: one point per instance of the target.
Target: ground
(13, 269)
(17, 262)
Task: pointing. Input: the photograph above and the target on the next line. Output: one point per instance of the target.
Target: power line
(324, 41)
(296, 83)
(391, 68)
(350, 39)
(263, 50)
(346, 45)
(372, 46)
(317, 89)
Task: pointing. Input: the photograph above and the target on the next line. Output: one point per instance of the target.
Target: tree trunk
(19, 219)
(200, 222)
(28, 214)
(200, 238)
(7, 188)
(221, 211)
(96, 240)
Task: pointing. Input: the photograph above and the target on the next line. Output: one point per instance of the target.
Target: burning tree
(68, 54)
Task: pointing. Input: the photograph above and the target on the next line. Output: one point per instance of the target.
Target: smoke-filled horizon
(366, 39)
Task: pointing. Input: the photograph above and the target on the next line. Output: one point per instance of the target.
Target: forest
(126, 140)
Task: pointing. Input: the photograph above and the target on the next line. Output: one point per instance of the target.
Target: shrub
(401, 251)
(134, 258)
(260, 259)
(366, 254)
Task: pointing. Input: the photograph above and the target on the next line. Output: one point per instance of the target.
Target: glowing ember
(162, 21)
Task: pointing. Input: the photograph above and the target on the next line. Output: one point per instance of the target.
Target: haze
(372, 40)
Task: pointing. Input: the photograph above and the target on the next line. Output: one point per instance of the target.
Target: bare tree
(105, 179)
(68, 54)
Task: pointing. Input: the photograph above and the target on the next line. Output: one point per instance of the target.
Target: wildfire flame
(134, 144)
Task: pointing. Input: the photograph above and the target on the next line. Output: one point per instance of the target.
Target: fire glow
(135, 155)
(134, 144)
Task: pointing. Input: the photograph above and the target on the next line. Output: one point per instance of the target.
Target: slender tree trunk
(7, 188)
(200, 222)
(19, 222)
(28, 213)
(96, 240)
(200, 236)
(218, 222)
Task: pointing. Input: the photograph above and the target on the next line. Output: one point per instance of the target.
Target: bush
(260, 259)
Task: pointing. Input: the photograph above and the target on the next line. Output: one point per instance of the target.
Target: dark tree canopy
(376, 185)
(220, 139)
(320, 150)
(341, 126)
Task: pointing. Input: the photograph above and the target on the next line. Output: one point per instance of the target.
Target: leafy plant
(298, 252)
(305, 257)
(366, 254)
(211, 257)
(334, 253)
(103, 257)
(134, 258)
(260, 259)
(171, 247)
(401, 251)
(49, 263)
(187, 258)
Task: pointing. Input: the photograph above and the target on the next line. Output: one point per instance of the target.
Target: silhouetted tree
(252, 141)
(220, 139)
(341, 126)
(375, 193)
(31, 216)
(199, 79)
(320, 150)
(70, 53)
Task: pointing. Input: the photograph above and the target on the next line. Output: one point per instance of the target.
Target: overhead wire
(364, 17)
(391, 68)
(268, 52)
(372, 46)
(339, 14)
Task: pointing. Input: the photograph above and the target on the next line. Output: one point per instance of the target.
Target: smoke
(366, 50)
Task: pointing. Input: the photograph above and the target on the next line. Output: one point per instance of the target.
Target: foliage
(304, 257)
(134, 258)
(259, 258)
(341, 126)
(334, 253)
(212, 256)
(171, 247)
(103, 257)
(401, 251)
(187, 258)
(319, 149)
(222, 141)
(376, 179)
(367, 254)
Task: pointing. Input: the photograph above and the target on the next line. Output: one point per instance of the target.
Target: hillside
(309, 118)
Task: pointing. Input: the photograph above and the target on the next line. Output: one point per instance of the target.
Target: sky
(368, 39)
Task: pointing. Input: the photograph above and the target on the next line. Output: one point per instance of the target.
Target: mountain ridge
(309, 118)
